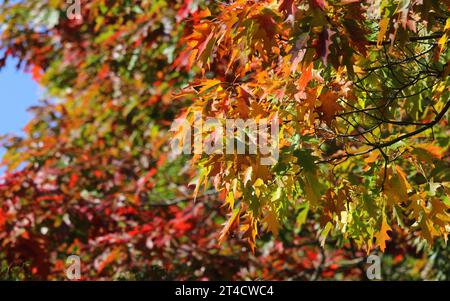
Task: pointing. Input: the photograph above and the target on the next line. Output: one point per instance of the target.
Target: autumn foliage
(360, 90)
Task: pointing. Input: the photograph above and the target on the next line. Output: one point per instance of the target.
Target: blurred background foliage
(93, 175)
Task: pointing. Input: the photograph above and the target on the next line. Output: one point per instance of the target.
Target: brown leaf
(319, 4)
(329, 106)
(288, 7)
(323, 46)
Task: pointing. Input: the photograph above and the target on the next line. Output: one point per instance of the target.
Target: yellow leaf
(447, 24)
(439, 214)
(271, 221)
(302, 216)
(258, 183)
(442, 42)
(230, 199)
(324, 234)
(397, 186)
(208, 84)
(201, 180)
(428, 231)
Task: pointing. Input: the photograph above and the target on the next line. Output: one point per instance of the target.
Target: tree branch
(411, 39)
(379, 146)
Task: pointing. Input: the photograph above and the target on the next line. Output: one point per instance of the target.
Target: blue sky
(18, 92)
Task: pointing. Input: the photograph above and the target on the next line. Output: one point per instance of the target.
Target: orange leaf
(383, 29)
(232, 222)
(382, 236)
